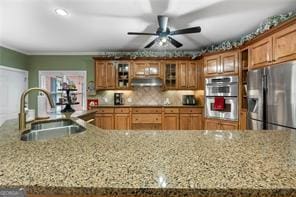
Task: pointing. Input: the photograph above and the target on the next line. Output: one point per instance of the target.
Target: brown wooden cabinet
(146, 69)
(261, 53)
(190, 119)
(284, 44)
(229, 62)
(122, 120)
(171, 119)
(105, 118)
(105, 121)
(243, 120)
(171, 75)
(221, 64)
(217, 124)
(105, 75)
(212, 65)
(188, 72)
(212, 124)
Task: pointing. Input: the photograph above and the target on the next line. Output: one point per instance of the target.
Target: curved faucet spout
(22, 114)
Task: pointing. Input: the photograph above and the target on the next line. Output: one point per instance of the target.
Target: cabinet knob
(102, 110)
(121, 110)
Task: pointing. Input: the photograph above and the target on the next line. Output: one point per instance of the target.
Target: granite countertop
(155, 163)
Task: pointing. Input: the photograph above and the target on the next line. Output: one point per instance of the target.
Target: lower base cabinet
(190, 121)
(122, 121)
(216, 124)
(171, 121)
(105, 121)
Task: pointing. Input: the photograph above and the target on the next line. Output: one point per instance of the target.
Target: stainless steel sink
(51, 129)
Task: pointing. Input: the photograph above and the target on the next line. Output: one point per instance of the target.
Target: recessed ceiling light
(61, 12)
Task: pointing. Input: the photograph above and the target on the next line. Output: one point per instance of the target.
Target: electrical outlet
(129, 100)
(105, 99)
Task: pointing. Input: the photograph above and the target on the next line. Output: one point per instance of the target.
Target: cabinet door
(261, 53)
(154, 69)
(225, 125)
(170, 75)
(100, 75)
(185, 121)
(229, 62)
(212, 124)
(122, 121)
(285, 44)
(192, 75)
(140, 69)
(243, 120)
(105, 121)
(212, 65)
(98, 121)
(182, 75)
(110, 75)
(171, 122)
(196, 121)
(200, 75)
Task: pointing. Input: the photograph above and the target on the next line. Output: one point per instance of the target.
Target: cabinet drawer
(105, 110)
(146, 110)
(144, 118)
(122, 110)
(171, 110)
(191, 110)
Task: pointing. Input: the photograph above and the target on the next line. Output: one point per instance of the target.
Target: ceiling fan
(164, 34)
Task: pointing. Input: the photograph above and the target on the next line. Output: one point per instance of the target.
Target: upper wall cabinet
(276, 48)
(222, 64)
(146, 69)
(261, 53)
(284, 43)
(170, 75)
(105, 75)
(188, 74)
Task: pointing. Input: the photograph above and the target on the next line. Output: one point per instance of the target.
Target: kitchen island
(150, 163)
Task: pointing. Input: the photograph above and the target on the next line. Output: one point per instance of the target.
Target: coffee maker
(188, 100)
(118, 99)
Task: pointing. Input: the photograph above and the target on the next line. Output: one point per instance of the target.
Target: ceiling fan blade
(174, 42)
(186, 31)
(141, 33)
(163, 22)
(151, 43)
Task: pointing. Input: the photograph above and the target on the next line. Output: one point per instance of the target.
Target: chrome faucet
(22, 114)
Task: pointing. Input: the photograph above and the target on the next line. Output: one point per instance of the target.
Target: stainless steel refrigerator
(272, 97)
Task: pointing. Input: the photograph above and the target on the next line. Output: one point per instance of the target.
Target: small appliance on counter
(118, 99)
(189, 100)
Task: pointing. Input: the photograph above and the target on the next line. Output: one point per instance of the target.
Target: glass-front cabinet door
(170, 75)
(122, 75)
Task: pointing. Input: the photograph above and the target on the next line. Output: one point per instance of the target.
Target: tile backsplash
(148, 96)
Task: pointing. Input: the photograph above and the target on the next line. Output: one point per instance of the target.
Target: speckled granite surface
(164, 163)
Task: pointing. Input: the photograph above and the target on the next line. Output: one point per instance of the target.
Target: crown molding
(14, 49)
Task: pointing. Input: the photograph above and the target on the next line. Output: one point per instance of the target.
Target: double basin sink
(51, 129)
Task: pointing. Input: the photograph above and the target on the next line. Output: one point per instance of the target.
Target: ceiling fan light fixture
(163, 39)
(61, 12)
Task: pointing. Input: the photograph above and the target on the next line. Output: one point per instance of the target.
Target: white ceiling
(31, 26)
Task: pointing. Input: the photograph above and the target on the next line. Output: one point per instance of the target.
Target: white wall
(12, 83)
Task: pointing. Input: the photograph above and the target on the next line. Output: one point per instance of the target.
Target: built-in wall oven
(221, 97)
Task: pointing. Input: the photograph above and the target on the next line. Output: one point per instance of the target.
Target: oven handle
(221, 84)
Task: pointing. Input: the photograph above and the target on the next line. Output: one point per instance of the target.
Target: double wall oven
(221, 95)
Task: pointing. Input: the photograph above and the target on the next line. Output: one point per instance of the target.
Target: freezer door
(254, 124)
(281, 94)
(255, 94)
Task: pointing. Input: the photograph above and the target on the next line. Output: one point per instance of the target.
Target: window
(53, 80)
